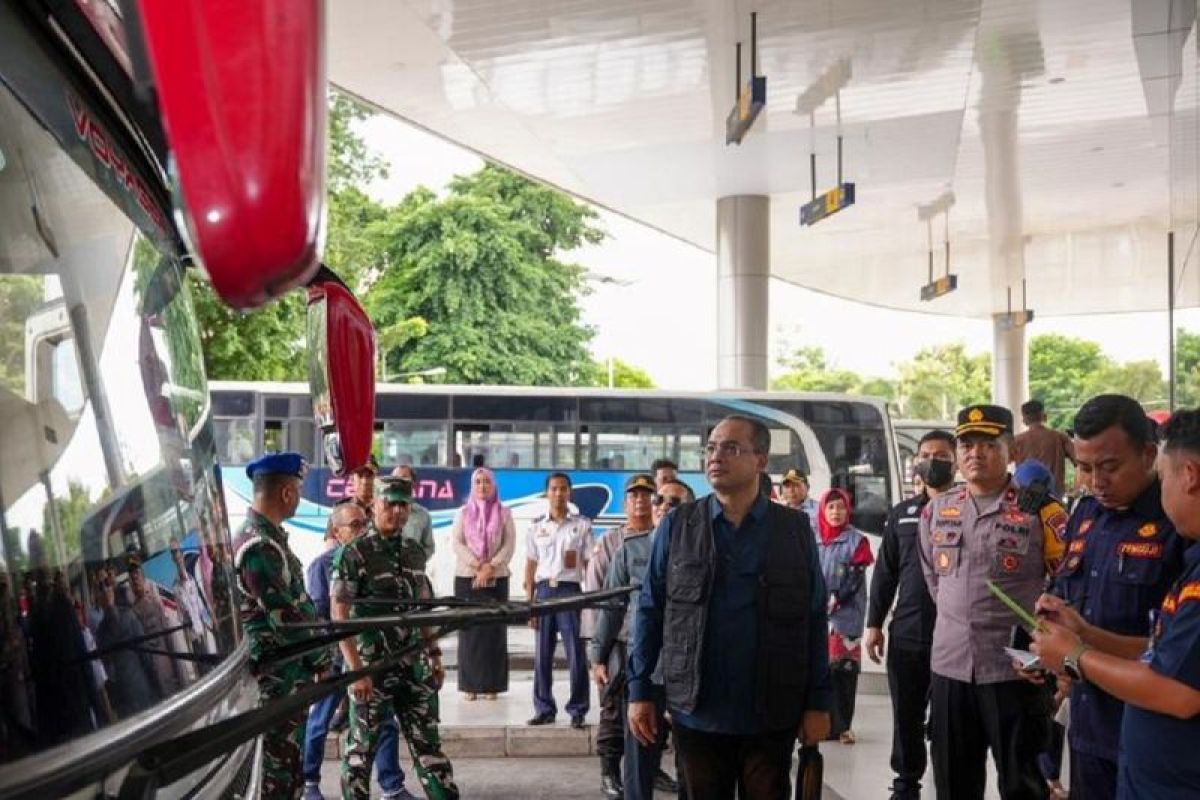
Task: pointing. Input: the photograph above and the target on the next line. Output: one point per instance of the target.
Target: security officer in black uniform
(1122, 556)
(898, 577)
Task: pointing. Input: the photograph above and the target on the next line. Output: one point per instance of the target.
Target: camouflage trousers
(283, 768)
(409, 694)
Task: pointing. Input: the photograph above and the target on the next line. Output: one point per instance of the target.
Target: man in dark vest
(734, 606)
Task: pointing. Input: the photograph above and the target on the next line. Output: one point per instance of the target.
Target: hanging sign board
(827, 204)
(751, 99)
(942, 286)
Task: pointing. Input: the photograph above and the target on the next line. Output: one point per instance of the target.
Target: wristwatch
(1071, 662)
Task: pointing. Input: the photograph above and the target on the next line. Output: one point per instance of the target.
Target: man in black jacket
(733, 612)
(898, 578)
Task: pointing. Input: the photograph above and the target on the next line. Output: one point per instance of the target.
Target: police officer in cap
(1122, 556)
(271, 580)
(972, 535)
(898, 577)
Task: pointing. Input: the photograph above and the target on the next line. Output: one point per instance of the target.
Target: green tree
(268, 344)
(71, 511)
(20, 295)
(1141, 380)
(1061, 371)
(481, 266)
(809, 370)
(624, 375)
(1187, 368)
(941, 379)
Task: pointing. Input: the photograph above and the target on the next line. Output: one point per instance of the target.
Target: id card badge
(1155, 628)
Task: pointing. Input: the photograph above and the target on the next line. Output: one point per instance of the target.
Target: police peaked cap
(794, 475)
(987, 420)
(277, 464)
(640, 481)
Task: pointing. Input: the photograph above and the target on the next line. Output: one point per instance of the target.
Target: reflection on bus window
(114, 589)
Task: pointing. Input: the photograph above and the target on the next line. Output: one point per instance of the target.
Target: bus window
(505, 445)
(414, 443)
(628, 448)
(235, 440)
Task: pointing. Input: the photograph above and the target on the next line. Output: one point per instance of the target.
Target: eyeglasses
(729, 449)
(356, 524)
(671, 502)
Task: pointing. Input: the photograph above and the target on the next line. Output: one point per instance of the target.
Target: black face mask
(936, 474)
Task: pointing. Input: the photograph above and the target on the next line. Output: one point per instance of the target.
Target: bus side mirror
(341, 372)
(241, 86)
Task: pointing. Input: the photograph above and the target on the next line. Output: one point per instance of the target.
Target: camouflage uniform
(271, 580)
(377, 566)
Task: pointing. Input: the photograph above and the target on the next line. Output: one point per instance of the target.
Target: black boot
(610, 779)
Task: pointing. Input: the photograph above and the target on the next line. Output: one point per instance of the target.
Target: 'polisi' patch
(1140, 549)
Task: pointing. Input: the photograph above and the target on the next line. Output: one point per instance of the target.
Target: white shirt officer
(560, 548)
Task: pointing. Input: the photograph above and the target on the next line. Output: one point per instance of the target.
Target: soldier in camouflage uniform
(378, 565)
(271, 580)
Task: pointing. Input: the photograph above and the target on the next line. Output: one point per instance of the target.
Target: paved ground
(851, 772)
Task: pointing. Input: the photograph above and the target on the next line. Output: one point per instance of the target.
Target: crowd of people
(751, 614)
(77, 655)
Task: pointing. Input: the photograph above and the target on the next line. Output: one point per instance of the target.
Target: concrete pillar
(1010, 375)
(743, 268)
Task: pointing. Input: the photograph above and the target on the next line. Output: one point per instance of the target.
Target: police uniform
(1158, 751)
(271, 583)
(378, 566)
(1118, 567)
(977, 701)
(898, 576)
(559, 547)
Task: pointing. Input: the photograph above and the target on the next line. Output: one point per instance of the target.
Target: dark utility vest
(782, 610)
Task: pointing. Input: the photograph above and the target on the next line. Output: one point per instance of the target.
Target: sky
(654, 301)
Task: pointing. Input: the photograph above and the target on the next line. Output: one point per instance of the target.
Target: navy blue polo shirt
(726, 702)
(1158, 752)
(1118, 566)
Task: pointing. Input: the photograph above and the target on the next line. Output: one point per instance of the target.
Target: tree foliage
(941, 379)
(472, 281)
(1062, 372)
(20, 295)
(809, 370)
(480, 266)
(1187, 368)
(624, 375)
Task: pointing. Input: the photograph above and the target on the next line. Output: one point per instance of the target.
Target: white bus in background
(598, 436)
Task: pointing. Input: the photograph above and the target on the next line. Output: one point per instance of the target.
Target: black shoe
(545, 718)
(577, 722)
(610, 784)
(665, 783)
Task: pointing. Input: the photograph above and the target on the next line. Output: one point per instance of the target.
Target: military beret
(640, 481)
(277, 464)
(984, 419)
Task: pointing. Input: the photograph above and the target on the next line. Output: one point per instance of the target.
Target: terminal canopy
(1064, 131)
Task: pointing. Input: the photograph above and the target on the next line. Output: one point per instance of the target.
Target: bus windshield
(113, 592)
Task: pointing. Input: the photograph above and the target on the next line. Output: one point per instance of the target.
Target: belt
(554, 583)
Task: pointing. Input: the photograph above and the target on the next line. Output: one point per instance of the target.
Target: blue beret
(277, 464)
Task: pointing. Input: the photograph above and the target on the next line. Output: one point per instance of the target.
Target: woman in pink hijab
(484, 539)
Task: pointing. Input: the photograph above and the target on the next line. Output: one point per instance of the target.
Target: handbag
(810, 774)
